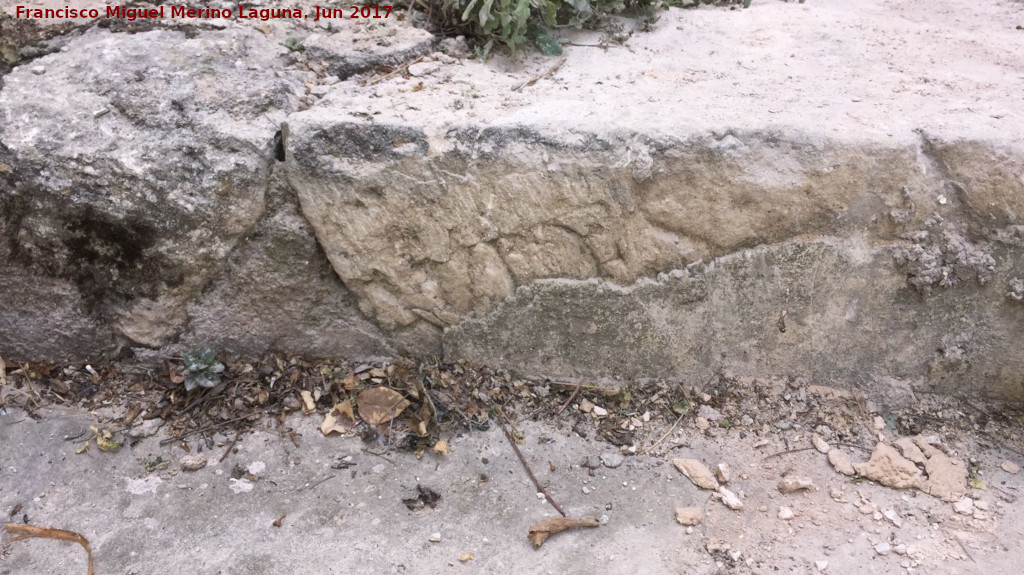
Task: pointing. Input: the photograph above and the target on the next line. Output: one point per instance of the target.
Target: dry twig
(787, 452)
(396, 71)
(540, 532)
(575, 392)
(667, 433)
(212, 427)
(231, 446)
(501, 421)
(543, 74)
(27, 531)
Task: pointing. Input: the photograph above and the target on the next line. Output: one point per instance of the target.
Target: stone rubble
(964, 506)
(840, 461)
(193, 462)
(696, 472)
(723, 473)
(689, 515)
(887, 467)
(795, 483)
(820, 444)
(730, 499)
(612, 460)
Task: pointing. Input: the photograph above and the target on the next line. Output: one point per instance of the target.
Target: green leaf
(465, 13)
(550, 13)
(547, 45)
(485, 12)
(483, 51)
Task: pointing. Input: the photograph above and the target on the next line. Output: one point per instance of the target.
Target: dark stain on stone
(110, 256)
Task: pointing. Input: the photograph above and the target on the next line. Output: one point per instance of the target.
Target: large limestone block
(277, 291)
(662, 211)
(133, 164)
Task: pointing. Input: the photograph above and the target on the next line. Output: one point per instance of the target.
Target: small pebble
(612, 460)
(791, 484)
(193, 462)
(965, 506)
(689, 515)
(722, 472)
(435, 537)
(891, 515)
(730, 499)
(819, 443)
(785, 513)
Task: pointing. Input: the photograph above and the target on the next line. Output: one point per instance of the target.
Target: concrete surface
(353, 520)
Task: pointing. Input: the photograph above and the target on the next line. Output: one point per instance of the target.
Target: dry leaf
(541, 531)
(26, 531)
(418, 426)
(104, 439)
(466, 557)
(174, 375)
(441, 447)
(339, 420)
(379, 405)
(350, 382)
(277, 522)
(308, 404)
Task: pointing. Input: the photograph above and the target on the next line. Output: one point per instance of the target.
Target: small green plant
(293, 44)
(202, 369)
(514, 23)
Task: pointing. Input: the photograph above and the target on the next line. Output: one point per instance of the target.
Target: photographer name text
(188, 13)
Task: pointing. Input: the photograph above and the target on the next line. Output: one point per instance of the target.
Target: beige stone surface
(689, 515)
(696, 472)
(889, 468)
(841, 462)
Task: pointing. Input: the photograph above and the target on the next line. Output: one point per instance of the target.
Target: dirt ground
(338, 501)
